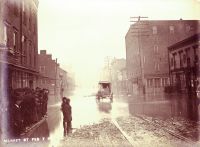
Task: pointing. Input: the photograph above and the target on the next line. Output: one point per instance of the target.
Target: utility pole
(139, 31)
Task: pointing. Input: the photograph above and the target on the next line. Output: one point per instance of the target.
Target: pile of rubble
(102, 134)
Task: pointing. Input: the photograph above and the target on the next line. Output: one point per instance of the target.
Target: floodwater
(86, 111)
(165, 106)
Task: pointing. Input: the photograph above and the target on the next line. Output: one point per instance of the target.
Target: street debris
(102, 134)
(146, 134)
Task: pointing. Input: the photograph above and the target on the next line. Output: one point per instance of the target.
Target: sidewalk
(30, 130)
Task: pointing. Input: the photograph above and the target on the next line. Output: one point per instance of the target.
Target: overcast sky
(81, 33)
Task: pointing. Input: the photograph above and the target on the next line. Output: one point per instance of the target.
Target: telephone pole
(139, 31)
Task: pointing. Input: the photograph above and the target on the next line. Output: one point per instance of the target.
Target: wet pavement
(88, 115)
(86, 111)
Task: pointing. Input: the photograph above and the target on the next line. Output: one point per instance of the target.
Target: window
(157, 66)
(15, 47)
(35, 61)
(181, 58)
(16, 11)
(184, 58)
(40, 68)
(149, 82)
(174, 57)
(24, 12)
(5, 34)
(43, 81)
(14, 38)
(30, 53)
(155, 31)
(164, 82)
(188, 62)
(157, 82)
(172, 62)
(24, 18)
(29, 18)
(171, 29)
(155, 48)
(144, 59)
(44, 68)
(188, 28)
(23, 38)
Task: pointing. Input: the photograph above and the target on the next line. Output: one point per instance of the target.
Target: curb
(28, 132)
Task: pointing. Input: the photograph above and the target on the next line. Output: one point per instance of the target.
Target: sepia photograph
(99, 73)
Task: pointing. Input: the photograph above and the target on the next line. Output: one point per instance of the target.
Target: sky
(81, 33)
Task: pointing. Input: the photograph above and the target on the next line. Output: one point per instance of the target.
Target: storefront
(184, 64)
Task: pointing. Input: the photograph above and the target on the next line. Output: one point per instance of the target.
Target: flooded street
(169, 111)
(128, 120)
(85, 111)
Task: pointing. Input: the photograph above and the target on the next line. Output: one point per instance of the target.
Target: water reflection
(105, 107)
(165, 106)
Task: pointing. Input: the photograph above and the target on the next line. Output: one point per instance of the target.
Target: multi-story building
(19, 42)
(52, 76)
(117, 66)
(18, 52)
(147, 53)
(184, 64)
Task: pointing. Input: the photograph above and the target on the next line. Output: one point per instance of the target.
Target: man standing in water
(67, 115)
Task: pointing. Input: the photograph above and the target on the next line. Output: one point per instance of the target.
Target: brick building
(147, 54)
(52, 76)
(18, 52)
(184, 64)
(19, 42)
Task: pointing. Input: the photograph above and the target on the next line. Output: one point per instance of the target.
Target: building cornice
(184, 42)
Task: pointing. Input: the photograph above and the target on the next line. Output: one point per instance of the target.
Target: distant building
(117, 69)
(52, 76)
(147, 54)
(18, 43)
(184, 64)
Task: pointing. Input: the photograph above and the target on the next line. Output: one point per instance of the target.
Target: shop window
(157, 82)
(149, 82)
